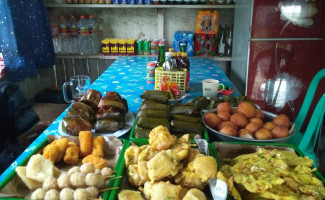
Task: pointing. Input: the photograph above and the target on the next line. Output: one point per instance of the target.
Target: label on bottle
(62, 29)
(73, 30)
(84, 31)
(93, 30)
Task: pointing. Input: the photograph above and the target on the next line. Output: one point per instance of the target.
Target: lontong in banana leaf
(147, 104)
(186, 127)
(155, 95)
(150, 123)
(140, 132)
(184, 110)
(162, 114)
(109, 113)
(186, 118)
(73, 124)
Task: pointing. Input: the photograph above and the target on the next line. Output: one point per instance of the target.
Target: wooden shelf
(63, 5)
(101, 56)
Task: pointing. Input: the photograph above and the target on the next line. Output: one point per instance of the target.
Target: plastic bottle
(73, 35)
(185, 63)
(173, 59)
(93, 32)
(161, 53)
(83, 38)
(64, 36)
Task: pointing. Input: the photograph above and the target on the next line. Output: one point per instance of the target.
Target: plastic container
(151, 66)
(83, 29)
(178, 77)
(122, 171)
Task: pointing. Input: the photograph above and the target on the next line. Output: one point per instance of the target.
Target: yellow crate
(178, 77)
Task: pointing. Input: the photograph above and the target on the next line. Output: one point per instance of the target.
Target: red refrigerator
(278, 47)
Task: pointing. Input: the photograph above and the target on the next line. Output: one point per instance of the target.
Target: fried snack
(161, 139)
(85, 143)
(194, 194)
(39, 168)
(131, 154)
(30, 183)
(163, 190)
(55, 151)
(147, 154)
(163, 165)
(99, 163)
(98, 146)
(129, 194)
(133, 176)
(71, 155)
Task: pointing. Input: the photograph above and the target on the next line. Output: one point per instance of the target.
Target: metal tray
(268, 117)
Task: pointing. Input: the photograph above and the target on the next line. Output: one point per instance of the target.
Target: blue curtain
(25, 38)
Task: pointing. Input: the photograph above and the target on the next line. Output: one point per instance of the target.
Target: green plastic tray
(133, 139)
(298, 152)
(122, 170)
(43, 144)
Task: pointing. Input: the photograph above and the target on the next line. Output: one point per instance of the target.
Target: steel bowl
(268, 117)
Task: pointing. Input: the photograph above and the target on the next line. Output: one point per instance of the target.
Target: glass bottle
(161, 53)
(222, 42)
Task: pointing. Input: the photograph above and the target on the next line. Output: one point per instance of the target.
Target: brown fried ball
(224, 115)
(234, 110)
(228, 130)
(239, 119)
(253, 127)
(257, 121)
(282, 120)
(243, 132)
(280, 131)
(259, 114)
(247, 109)
(227, 123)
(269, 125)
(212, 120)
(224, 106)
(263, 134)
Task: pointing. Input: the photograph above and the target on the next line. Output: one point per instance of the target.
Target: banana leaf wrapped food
(91, 98)
(109, 125)
(184, 110)
(163, 114)
(140, 132)
(186, 118)
(113, 96)
(181, 127)
(150, 122)
(81, 109)
(214, 101)
(111, 103)
(156, 95)
(115, 100)
(109, 112)
(201, 102)
(74, 124)
(147, 104)
(231, 100)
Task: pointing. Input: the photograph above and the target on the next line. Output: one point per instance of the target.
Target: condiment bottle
(173, 59)
(185, 63)
(171, 50)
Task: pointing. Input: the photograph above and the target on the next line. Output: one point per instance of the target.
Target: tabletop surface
(127, 76)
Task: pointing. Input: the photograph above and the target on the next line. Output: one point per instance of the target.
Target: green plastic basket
(134, 139)
(43, 144)
(298, 152)
(122, 170)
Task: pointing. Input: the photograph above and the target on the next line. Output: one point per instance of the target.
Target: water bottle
(83, 38)
(93, 31)
(73, 35)
(64, 36)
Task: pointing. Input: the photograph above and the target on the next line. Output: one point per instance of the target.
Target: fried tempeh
(85, 143)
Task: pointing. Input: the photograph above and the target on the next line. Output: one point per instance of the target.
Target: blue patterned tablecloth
(127, 76)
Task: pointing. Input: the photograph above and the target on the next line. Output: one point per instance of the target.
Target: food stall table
(127, 76)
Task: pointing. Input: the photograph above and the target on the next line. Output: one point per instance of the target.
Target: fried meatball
(224, 106)
(73, 170)
(263, 134)
(224, 115)
(257, 121)
(52, 195)
(253, 127)
(66, 194)
(244, 132)
(64, 180)
(38, 194)
(282, 120)
(77, 179)
(106, 171)
(269, 125)
(280, 132)
(87, 168)
(81, 194)
(212, 120)
(247, 109)
(50, 183)
(93, 192)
